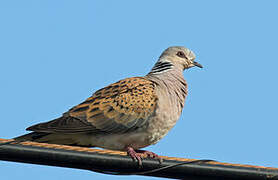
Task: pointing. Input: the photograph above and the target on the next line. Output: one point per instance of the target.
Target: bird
(127, 115)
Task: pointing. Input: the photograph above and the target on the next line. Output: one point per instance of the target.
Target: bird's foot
(138, 155)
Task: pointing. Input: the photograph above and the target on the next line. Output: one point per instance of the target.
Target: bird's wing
(117, 108)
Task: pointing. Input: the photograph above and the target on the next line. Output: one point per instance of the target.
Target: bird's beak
(197, 64)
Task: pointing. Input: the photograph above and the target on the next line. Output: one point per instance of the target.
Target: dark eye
(181, 54)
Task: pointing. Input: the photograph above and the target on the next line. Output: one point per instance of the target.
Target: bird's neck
(161, 67)
(164, 65)
(166, 71)
(171, 79)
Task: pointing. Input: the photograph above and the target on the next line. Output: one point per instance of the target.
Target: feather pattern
(161, 66)
(118, 108)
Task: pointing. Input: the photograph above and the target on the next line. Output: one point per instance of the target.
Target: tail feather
(33, 136)
(55, 138)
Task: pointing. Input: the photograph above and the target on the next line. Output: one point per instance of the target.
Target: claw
(138, 155)
(151, 155)
(134, 155)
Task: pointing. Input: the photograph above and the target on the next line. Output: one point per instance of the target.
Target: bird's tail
(33, 136)
(55, 138)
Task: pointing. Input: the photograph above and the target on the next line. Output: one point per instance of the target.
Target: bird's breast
(166, 115)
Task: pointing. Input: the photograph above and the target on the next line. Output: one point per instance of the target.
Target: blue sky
(54, 54)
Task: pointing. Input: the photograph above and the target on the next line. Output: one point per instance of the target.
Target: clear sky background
(54, 54)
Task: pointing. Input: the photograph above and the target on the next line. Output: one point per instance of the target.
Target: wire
(154, 170)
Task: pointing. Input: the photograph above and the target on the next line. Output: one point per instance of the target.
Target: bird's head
(180, 57)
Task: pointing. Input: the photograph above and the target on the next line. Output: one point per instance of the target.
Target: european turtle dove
(127, 115)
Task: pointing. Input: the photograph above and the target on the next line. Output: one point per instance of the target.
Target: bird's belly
(156, 130)
(121, 141)
(151, 135)
(158, 126)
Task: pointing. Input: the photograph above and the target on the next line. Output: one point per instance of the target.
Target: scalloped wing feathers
(120, 107)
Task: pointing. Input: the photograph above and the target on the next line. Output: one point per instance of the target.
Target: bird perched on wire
(127, 115)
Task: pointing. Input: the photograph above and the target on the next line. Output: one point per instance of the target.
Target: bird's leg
(138, 155)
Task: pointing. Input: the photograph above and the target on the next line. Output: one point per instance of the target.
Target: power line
(114, 162)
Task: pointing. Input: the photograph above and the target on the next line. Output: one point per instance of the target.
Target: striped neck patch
(160, 67)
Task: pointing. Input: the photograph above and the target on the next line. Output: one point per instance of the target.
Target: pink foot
(138, 155)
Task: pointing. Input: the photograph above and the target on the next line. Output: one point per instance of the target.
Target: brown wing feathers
(63, 124)
(117, 108)
(125, 102)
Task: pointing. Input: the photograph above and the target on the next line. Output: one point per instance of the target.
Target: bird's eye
(181, 54)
